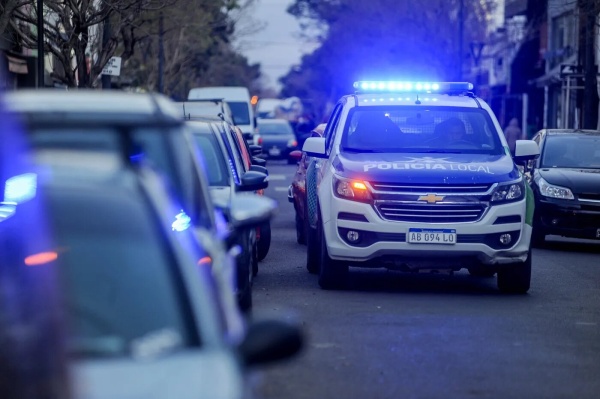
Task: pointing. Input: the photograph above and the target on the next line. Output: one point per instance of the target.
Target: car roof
(408, 99)
(274, 120)
(47, 106)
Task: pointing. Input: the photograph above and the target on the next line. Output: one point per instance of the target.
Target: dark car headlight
(509, 192)
(552, 191)
(353, 190)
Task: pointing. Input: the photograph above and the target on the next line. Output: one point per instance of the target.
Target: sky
(277, 46)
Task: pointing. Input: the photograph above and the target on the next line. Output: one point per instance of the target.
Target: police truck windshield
(395, 129)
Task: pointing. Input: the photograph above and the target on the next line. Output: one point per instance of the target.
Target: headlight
(552, 191)
(509, 192)
(354, 190)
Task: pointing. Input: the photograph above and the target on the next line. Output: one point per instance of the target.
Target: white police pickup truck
(417, 176)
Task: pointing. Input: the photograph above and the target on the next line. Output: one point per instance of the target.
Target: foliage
(381, 39)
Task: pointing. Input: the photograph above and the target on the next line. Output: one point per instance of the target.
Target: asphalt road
(396, 335)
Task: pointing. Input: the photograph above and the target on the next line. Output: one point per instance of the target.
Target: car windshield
(124, 301)
(402, 129)
(213, 159)
(240, 112)
(277, 129)
(571, 151)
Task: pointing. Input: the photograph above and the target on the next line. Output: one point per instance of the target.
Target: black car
(228, 180)
(566, 184)
(277, 138)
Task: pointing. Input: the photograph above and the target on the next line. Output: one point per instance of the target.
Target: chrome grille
(431, 213)
(431, 188)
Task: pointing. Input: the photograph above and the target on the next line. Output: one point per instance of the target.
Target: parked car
(143, 129)
(249, 155)
(277, 137)
(228, 180)
(144, 314)
(566, 184)
(297, 190)
(33, 356)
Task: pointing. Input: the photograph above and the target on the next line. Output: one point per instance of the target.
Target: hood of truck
(426, 168)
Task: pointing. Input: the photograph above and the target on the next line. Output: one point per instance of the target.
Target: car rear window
(214, 161)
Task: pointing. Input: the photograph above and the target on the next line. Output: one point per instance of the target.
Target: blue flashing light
(415, 87)
(20, 188)
(7, 209)
(182, 222)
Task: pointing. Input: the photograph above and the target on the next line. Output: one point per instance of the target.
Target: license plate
(275, 151)
(431, 236)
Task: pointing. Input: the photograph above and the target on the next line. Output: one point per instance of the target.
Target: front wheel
(300, 233)
(333, 274)
(264, 242)
(516, 279)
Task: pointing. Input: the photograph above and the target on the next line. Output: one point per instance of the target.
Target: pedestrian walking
(513, 132)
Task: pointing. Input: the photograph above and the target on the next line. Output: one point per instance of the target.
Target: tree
(383, 39)
(73, 30)
(197, 47)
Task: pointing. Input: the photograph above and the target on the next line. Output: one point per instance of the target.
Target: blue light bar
(21, 188)
(182, 222)
(375, 86)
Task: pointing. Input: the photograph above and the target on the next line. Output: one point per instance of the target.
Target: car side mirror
(250, 210)
(253, 181)
(255, 149)
(259, 161)
(315, 147)
(296, 155)
(525, 151)
(261, 169)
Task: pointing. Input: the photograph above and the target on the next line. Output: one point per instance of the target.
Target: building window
(563, 39)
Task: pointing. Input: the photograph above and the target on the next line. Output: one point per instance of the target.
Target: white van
(238, 99)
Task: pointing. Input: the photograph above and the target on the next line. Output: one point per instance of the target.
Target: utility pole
(461, 26)
(590, 70)
(40, 43)
(106, 79)
(161, 52)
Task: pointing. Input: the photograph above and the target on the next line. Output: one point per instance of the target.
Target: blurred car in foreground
(33, 358)
(142, 129)
(277, 138)
(227, 181)
(297, 190)
(566, 184)
(144, 313)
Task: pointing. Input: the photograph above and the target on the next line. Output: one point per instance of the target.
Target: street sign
(112, 67)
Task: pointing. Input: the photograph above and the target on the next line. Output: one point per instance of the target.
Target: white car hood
(194, 374)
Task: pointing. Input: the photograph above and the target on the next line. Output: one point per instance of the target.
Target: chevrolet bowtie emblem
(431, 198)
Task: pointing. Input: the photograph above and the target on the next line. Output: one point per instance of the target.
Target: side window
(331, 126)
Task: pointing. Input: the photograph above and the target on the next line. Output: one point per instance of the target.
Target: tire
(300, 233)
(517, 278)
(538, 237)
(244, 278)
(254, 260)
(264, 243)
(313, 254)
(333, 274)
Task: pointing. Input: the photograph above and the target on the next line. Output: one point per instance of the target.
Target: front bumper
(384, 242)
(568, 218)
